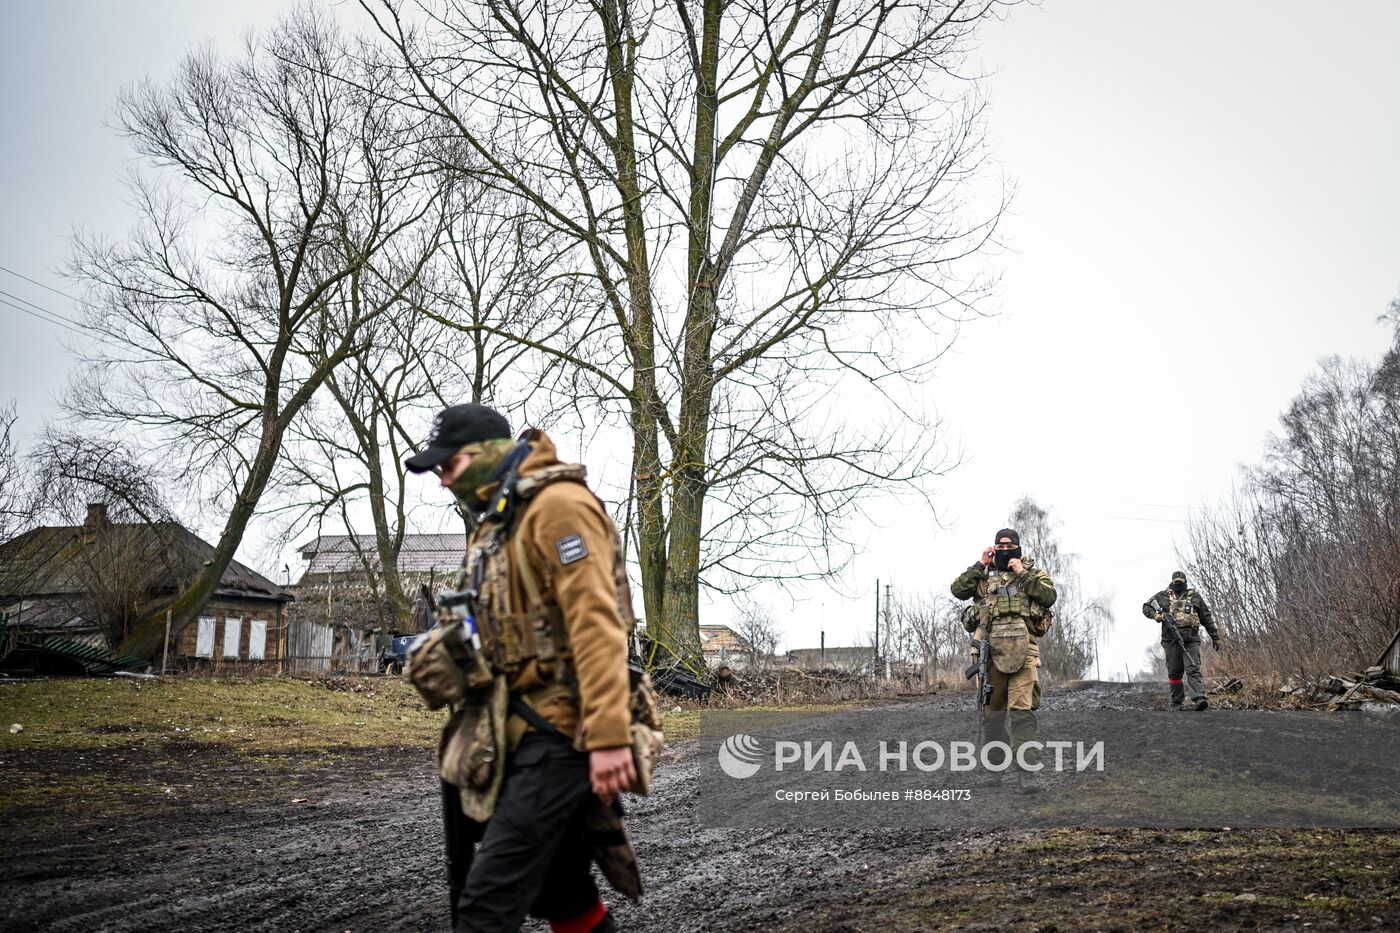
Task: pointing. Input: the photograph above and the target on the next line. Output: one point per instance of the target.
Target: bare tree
(125, 558)
(1296, 560)
(344, 455)
(1154, 670)
(768, 203)
(936, 640)
(1067, 650)
(345, 450)
(289, 214)
(13, 513)
(760, 635)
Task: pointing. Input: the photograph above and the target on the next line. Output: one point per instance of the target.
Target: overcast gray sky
(1207, 201)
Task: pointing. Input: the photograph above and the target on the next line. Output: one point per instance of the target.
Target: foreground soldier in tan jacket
(551, 614)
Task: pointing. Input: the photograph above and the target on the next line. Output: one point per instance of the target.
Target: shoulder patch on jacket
(571, 548)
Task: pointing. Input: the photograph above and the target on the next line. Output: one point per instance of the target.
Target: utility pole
(874, 661)
(889, 632)
(823, 650)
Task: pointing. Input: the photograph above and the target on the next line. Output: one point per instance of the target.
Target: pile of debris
(1228, 685)
(1373, 690)
(1374, 686)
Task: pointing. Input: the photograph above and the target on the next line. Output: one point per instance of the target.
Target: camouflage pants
(1013, 692)
(1189, 665)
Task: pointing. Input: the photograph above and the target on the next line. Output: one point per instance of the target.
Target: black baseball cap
(1008, 533)
(454, 428)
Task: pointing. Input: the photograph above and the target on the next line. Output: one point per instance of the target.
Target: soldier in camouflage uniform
(1012, 602)
(1189, 613)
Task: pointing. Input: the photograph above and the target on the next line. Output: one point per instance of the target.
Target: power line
(21, 275)
(41, 309)
(1139, 518)
(1135, 560)
(48, 320)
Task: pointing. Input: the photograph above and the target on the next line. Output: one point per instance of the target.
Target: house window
(257, 639)
(204, 638)
(232, 628)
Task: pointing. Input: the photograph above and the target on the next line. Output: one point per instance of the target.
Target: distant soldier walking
(1182, 607)
(1012, 602)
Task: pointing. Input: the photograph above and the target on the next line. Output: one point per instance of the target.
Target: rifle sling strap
(526, 712)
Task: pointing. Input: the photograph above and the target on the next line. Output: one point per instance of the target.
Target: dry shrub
(1297, 562)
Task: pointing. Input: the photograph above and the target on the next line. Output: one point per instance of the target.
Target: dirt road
(185, 838)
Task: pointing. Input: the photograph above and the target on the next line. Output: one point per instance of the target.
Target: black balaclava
(1178, 584)
(1002, 559)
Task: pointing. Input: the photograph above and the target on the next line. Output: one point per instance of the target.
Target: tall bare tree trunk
(146, 636)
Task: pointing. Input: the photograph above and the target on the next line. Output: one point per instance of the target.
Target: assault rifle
(1169, 624)
(978, 669)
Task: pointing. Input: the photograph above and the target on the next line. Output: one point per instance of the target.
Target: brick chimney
(96, 516)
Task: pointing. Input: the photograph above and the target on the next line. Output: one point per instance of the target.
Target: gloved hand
(1160, 617)
(1217, 644)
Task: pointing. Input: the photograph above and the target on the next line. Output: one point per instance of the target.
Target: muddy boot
(1202, 705)
(1028, 782)
(987, 778)
(1177, 707)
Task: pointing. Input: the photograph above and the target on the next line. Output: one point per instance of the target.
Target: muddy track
(227, 848)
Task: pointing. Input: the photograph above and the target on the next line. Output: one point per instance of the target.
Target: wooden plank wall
(183, 646)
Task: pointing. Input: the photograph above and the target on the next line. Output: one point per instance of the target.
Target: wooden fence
(318, 647)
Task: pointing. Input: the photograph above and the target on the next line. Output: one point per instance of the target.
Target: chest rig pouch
(447, 669)
(472, 750)
(1008, 616)
(1183, 611)
(513, 636)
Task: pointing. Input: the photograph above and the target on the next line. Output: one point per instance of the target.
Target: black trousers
(534, 857)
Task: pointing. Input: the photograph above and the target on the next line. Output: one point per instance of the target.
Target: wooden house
(343, 612)
(91, 583)
(721, 645)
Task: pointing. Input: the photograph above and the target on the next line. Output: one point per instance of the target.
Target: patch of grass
(681, 724)
(246, 713)
(69, 792)
(253, 715)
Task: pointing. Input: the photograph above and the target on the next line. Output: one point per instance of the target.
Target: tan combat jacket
(569, 541)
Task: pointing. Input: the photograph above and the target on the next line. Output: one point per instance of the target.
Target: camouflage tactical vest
(513, 635)
(1009, 617)
(1182, 610)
